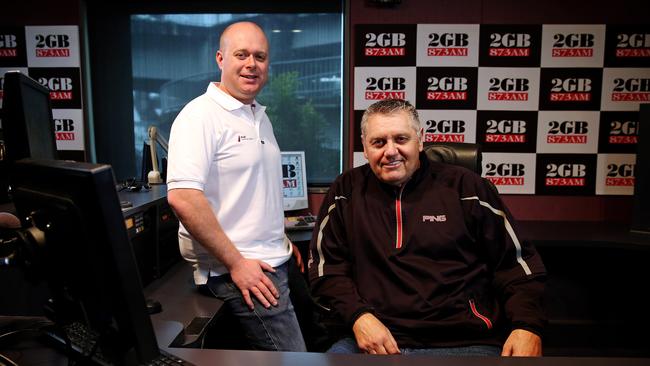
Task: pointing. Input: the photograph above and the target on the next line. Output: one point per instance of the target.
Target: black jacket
(438, 260)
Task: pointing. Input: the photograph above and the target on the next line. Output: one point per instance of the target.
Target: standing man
(224, 184)
(422, 257)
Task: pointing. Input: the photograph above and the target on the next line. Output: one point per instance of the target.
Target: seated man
(422, 257)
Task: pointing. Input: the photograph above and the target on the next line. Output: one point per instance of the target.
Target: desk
(596, 271)
(180, 300)
(299, 233)
(143, 198)
(583, 233)
(152, 229)
(33, 353)
(181, 303)
(237, 358)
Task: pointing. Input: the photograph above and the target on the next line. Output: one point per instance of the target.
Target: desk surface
(143, 198)
(237, 358)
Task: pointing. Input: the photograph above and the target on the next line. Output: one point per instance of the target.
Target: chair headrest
(467, 155)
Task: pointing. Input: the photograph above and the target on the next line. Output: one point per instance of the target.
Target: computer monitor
(85, 255)
(294, 180)
(27, 123)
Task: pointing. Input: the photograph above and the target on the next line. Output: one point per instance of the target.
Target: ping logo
(434, 218)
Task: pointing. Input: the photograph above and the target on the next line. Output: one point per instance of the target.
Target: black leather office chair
(467, 155)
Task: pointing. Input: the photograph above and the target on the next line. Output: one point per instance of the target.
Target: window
(173, 60)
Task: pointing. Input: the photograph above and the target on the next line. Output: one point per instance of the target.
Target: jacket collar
(419, 174)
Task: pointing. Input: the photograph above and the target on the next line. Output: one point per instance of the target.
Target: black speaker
(641, 213)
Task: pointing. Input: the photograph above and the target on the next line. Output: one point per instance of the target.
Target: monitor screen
(27, 124)
(84, 256)
(294, 180)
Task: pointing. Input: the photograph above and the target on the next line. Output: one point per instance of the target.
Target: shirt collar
(229, 103)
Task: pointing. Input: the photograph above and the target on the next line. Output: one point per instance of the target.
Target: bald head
(234, 28)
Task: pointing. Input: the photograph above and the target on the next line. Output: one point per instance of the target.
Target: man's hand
(194, 211)
(248, 275)
(522, 343)
(373, 337)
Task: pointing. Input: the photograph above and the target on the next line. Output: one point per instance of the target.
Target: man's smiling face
(244, 61)
(392, 147)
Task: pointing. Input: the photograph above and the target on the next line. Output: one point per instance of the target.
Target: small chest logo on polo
(434, 218)
(241, 138)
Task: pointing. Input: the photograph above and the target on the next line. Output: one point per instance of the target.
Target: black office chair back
(467, 155)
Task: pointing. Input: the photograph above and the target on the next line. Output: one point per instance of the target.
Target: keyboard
(83, 342)
(307, 221)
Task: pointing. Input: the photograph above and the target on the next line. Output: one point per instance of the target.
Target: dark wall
(38, 12)
(501, 11)
(523, 207)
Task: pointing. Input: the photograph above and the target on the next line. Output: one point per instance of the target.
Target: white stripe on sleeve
(509, 229)
(319, 248)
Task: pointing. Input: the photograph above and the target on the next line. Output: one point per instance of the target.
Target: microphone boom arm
(155, 139)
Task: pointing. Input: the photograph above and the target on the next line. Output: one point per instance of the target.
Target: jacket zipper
(398, 218)
(485, 319)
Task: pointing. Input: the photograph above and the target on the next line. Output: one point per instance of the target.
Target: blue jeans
(273, 329)
(349, 345)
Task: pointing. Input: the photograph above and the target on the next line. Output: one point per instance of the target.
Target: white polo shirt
(227, 150)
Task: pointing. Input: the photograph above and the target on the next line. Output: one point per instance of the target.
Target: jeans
(273, 329)
(349, 345)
